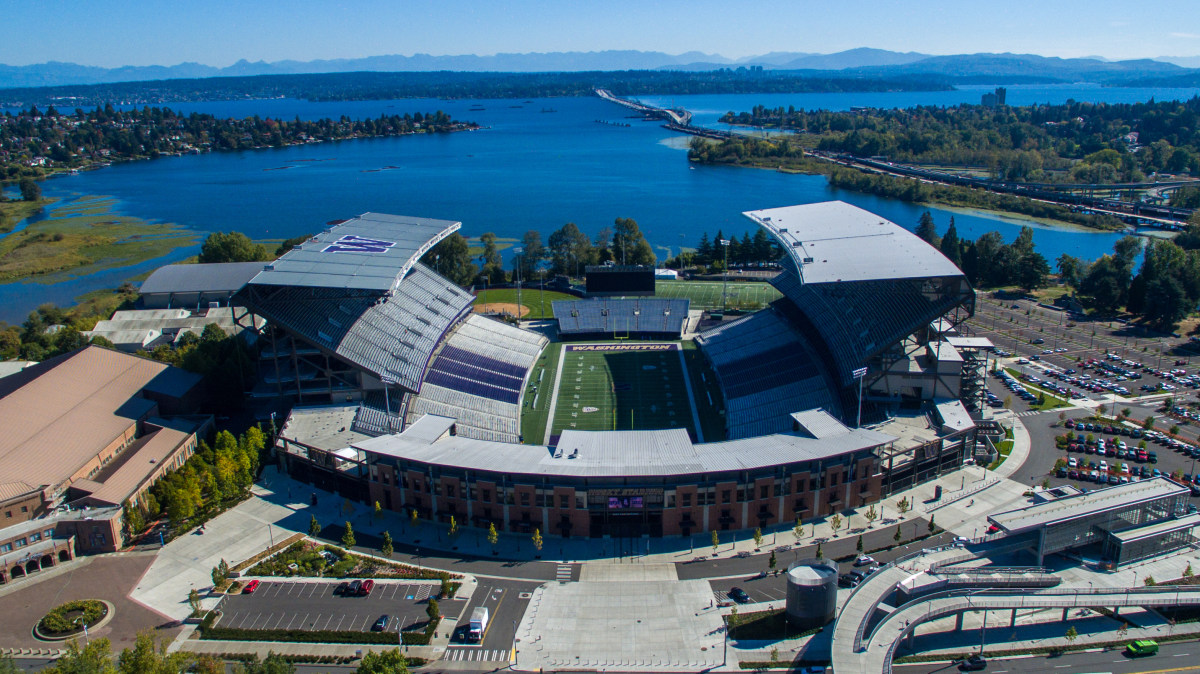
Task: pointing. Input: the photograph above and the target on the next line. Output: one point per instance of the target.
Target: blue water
(527, 170)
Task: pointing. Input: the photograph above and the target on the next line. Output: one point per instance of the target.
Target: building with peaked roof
(87, 423)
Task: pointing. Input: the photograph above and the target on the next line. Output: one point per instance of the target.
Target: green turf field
(621, 390)
(707, 294)
(537, 301)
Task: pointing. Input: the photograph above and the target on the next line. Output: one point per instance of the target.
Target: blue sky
(219, 32)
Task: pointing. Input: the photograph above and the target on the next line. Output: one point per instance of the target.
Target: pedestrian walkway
(470, 654)
(563, 573)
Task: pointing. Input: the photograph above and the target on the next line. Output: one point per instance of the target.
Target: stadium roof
(1063, 510)
(55, 423)
(834, 241)
(391, 336)
(192, 278)
(614, 453)
(373, 251)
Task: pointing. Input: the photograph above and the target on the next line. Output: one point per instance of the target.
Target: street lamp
(725, 281)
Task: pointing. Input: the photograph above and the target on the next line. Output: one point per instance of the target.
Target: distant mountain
(55, 73)
(987, 68)
(1028, 67)
(853, 58)
(1181, 61)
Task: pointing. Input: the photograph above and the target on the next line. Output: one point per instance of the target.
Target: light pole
(520, 262)
(725, 281)
(859, 374)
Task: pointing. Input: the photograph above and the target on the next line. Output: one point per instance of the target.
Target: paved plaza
(631, 625)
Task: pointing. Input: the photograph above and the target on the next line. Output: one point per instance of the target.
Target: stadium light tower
(859, 374)
(520, 257)
(725, 281)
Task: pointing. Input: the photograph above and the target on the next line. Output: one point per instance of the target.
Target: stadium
(622, 416)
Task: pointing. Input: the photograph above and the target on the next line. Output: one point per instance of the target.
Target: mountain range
(864, 62)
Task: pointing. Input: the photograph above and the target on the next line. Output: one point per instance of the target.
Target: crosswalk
(475, 655)
(1029, 413)
(563, 574)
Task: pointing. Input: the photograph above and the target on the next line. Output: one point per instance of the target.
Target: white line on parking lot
(327, 621)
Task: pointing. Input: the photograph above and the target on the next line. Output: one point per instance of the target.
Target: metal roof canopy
(190, 278)
(373, 251)
(615, 454)
(833, 241)
(1157, 528)
(1062, 510)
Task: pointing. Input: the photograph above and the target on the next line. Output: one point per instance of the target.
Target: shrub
(66, 618)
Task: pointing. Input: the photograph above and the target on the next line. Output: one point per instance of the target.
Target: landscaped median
(306, 558)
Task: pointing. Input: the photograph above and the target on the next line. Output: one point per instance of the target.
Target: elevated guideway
(677, 119)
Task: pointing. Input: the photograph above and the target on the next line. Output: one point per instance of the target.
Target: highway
(1180, 656)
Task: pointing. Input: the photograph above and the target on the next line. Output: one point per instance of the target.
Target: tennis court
(622, 386)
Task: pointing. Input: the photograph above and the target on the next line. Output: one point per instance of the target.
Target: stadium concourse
(406, 401)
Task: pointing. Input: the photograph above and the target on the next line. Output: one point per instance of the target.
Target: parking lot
(311, 606)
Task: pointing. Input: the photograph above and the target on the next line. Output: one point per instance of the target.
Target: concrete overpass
(859, 646)
(678, 117)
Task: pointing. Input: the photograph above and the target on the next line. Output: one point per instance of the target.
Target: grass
(537, 402)
(83, 237)
(537, 301)
(621, 390)
(707, 294)
(13, 212)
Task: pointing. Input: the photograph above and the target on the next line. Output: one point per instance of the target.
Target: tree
(194, 601)
(314, 527)
(859, 546)
(897, 536)
(716, 541)
(1123, 630)
(386, 547)
(274, 663)
(537, 540)
(569, 250)
(1187, 571)
(629, 244)
(903, 506)
(288, 244)
(772, 562)
(348, 537)
(30, 190)
(1072, 634)
(451, 257)
(774, 654)
(231, 247)
(378, 512)
(927, 230)
(950, 245)
(819, 554)
(1070, 269)
(412, 516)
(146, 657)
(733, 619)
(1149, 581)
(758, 537)
(93, 658)
(431, 609)
(492, 268)
(493, 536)
(798, 530)
(932, 526)
(871, 516)
(835, 523)
(390, 661)
(532, 254)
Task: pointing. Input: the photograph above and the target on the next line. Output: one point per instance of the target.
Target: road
(1172, 657)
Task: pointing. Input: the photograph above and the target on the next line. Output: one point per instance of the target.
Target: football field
(622, 386)
(707, 294)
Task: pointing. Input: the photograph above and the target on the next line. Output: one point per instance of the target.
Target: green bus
(1142, 647)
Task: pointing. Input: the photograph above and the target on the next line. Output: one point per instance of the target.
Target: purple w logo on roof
(358, 244)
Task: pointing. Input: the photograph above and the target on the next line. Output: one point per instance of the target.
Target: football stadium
(621, 416)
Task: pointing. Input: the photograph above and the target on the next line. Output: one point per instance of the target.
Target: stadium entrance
(627, 524)
(625, 513)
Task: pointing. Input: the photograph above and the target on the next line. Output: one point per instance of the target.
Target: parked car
(353, 589)
(381, 624)
(366, 587)
(974, 663)
(250, 587)
(739, 595)
(864, 560)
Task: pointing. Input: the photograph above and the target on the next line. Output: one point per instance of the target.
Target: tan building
(87, 428)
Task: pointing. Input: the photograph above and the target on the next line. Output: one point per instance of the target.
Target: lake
(538, 165)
